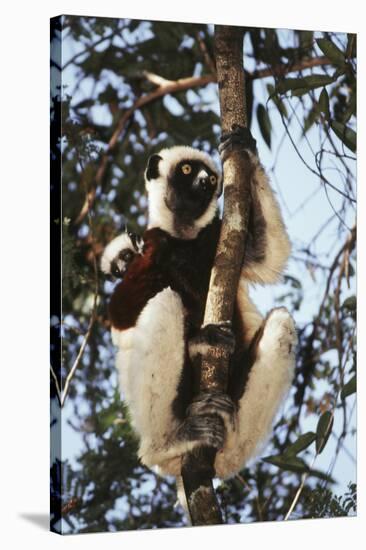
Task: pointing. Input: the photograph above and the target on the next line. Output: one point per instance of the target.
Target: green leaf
(299, 92)
(345, 134)
(349, 388)
(291, 463)
(323, 430)
(332, 51)
(277, 101)
(322, 475)
(312, 116)
(300, 86)
(324, 103)
(289, 84)
(350, 303)
(264, 124)
(351, 108)
(300, 444)
(317, 80)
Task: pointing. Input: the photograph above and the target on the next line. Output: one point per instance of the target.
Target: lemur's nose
(204, 183)
(203, 180)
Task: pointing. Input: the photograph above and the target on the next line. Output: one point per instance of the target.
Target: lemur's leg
(119, 253)
(269, 381)
(150, 361)
(267, 245)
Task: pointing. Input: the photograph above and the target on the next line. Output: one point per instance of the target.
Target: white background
(24, 170)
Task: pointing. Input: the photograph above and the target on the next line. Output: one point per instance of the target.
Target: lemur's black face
(191, 186)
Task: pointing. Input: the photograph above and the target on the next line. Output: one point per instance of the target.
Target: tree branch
(198, 466)
(283, 70)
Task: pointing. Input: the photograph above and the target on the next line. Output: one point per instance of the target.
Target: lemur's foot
(212, 335)
(119, 253)
(214, 403)
(203, 430)
(239, 138)
(279, 332)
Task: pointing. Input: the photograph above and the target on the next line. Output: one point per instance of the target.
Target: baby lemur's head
(183, 186)
(119, 253)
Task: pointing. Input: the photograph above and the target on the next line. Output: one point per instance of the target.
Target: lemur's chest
(189, 275)
(185, 266)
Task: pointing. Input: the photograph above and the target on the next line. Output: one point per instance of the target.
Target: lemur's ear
(152, 169)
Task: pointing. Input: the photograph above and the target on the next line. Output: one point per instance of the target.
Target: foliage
(322, 503)
(108, 65)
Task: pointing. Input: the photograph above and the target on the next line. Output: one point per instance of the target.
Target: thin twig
(209, 62)
(256, 497)
(283, 70)
(94, 308)
(57, 385)
(79, 355)
(301, 487)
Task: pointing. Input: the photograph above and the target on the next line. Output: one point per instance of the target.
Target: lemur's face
(191, 186)
(119, 253)
(183, 186)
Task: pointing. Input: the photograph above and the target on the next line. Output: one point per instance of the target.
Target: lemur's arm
(267, 245)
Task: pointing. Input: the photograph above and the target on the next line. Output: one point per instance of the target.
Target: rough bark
(198, 466)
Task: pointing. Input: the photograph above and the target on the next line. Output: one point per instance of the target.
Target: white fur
(269, 381)
(112, 250)
(159, 213)
(249, 313)
(278, 245)
(150, 360)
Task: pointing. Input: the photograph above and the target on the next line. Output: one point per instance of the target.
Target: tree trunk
(198, 466)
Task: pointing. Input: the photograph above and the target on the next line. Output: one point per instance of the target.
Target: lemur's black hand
(203, 429)
(219, 334)
(240, 138)
(137, 241)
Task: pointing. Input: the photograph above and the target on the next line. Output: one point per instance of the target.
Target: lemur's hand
(212, 335)
(119, 253)
(207, 430)
(238, 138)
(202, 424)
(207, 403)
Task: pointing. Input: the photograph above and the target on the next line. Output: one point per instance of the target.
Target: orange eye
(186, 169)
(213, 180)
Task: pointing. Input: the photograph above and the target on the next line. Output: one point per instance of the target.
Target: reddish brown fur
(141, 282)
